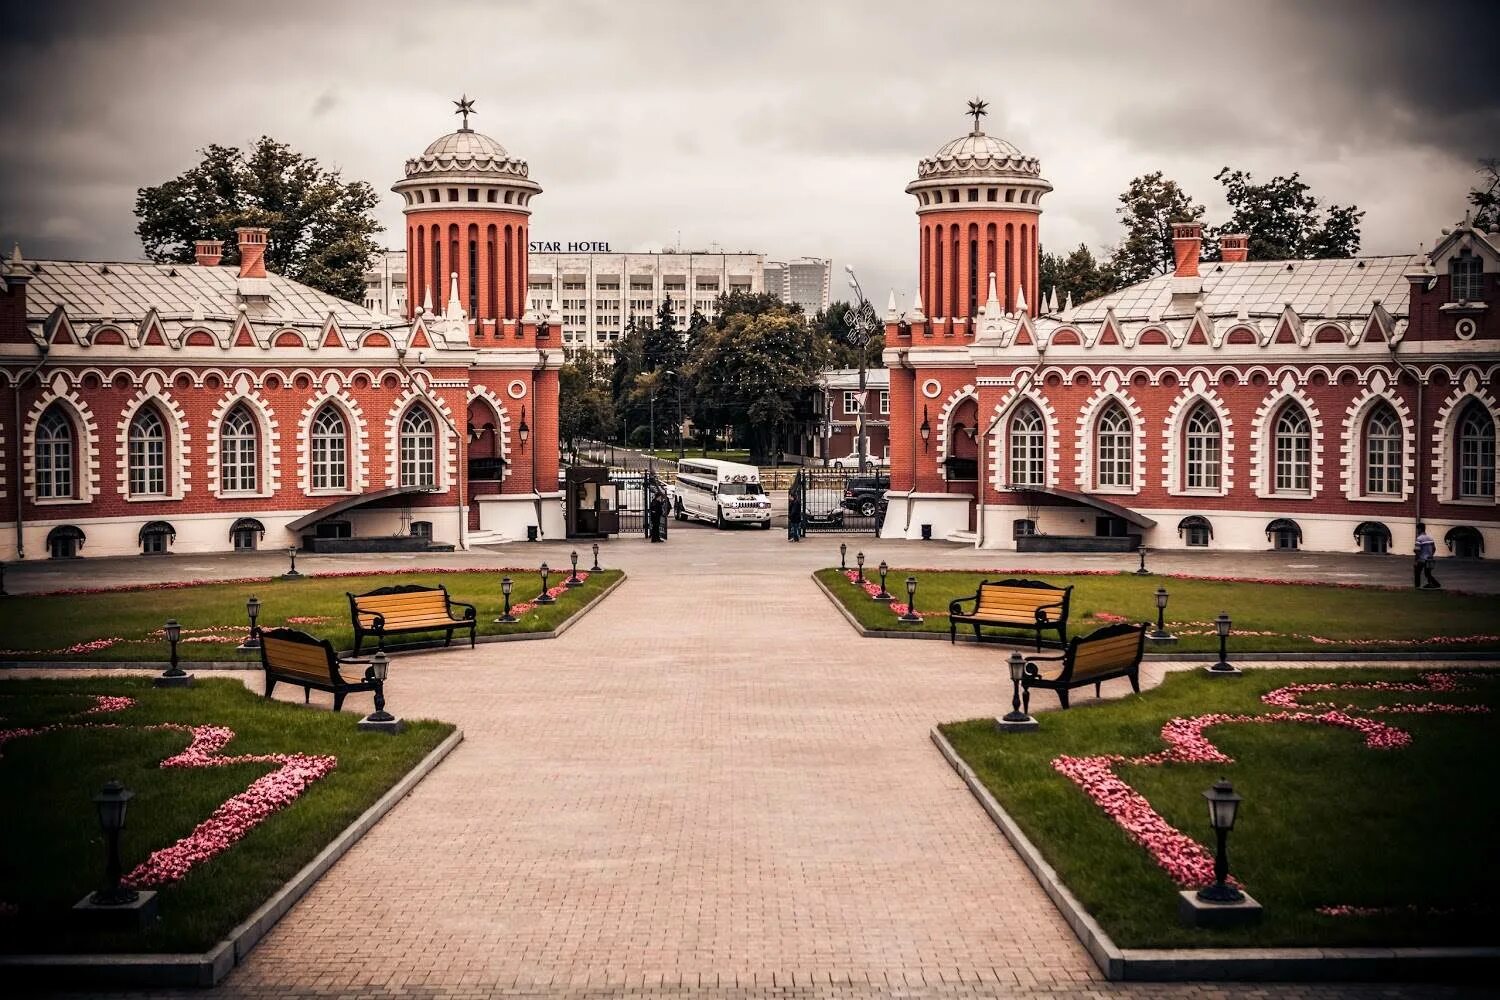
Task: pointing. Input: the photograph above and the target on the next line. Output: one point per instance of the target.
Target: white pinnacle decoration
(15, 253)
(916, 306)
(197, 307)
(890, 306)
(1020, 299)
(1052, 303)
(1244, 314)
(1068, 308)
(455, 307)
(992, 303)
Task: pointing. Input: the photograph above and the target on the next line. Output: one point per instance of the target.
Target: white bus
(722, 492)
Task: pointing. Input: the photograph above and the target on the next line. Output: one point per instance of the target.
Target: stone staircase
(966, 537)
(488, 538)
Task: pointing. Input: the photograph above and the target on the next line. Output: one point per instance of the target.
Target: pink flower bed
(335, 575)
(233, 818)
(897, 608)
(1186, 861)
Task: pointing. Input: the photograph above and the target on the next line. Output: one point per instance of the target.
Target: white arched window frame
(418, 448)
(330, 449)
(55, 452)
(1291, 470)
(1114, 448)
(1475, 463)
(1028, 447)
(1384, 472)
(147, 454)
(239, 452)
(1204, 451)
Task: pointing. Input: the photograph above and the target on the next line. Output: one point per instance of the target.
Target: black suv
(863, 494)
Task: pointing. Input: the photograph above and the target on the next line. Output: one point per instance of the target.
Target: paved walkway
(709, 784)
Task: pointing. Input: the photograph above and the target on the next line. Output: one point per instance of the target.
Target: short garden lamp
(859, 560)
(573, 580)
(911, 602)
(595, 568)
(1018, 719)
(884, 594)
(544, 597)
(291, 574)
(1141, 570)
(843, 552)
(252, 612)
(380, 720)
(506, 618)
(174, 675)
(1223, 668)
(111, 803)
(1161, 611)
(1223, 805)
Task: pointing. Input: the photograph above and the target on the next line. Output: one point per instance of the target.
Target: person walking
(1426, 551)
(794, 517)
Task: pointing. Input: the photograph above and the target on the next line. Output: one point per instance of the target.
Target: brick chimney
(1234, 249)
(252, 241)
(208, 253)
(1187, 242)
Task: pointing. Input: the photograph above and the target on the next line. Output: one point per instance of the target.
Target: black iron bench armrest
(956, 607)
(472, 612)
(1041, 610)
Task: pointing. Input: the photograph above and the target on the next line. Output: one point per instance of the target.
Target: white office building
(804, 281)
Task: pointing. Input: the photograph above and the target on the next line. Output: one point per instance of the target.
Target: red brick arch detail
(1241, 336)
(1153, 337)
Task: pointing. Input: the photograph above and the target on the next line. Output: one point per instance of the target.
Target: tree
(663, 344)
(1078, 274)
(1148, 207)
(1485, 196)
(321, 227)
(1284, 221)
(585, 408)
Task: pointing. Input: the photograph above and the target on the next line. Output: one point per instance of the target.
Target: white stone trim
(1174, 429)
(956, 397)
(1262, 443)
(86, 444)
(1000, 439)
(1444, 437)
(503, 415)
(179, 443)
(1352, 459)
(269, 473)
(446, 447)
(357, 447)
(1083, 442)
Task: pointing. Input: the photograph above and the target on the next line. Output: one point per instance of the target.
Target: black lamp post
(252, 611)
(174, 675)
(884, 594)
(1161, 611)
(926, 429)
(1018, 719)
(1223, 805)
(911, 602)
(573, 580)
(1223, 667)
(380, 720)
(595, 568)
(544, 597)
(1141, 570)
(111, 803)
(292, 574)
(506, 618)
(843, 553)
(859, 559)
(523, 432)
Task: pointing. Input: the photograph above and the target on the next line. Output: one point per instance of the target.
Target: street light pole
(861, 322)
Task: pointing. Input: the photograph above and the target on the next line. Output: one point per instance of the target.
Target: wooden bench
(298, 658)
(1112, 651)
(406, 609)
(1022, 604)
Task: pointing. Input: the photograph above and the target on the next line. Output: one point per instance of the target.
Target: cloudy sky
(785, 127)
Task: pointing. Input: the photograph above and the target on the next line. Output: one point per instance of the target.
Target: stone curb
(1308, 656)
(406, 647)
(209, 967)
(1221, 964)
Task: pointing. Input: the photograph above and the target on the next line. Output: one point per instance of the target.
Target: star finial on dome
(978, 108)
(465, 105)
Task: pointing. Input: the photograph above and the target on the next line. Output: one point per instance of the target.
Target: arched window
(330, 450)
(237, 452)
(1115, 447)
(54, 455)
(1476, 454)
(1028, 448)
(1293, 451)
(1204, 449)
(418, 448)
(1383, 452)
(147, 454)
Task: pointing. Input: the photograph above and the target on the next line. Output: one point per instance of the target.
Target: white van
(722, 492)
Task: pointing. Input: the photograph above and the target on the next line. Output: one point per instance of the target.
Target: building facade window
(418, 448)
(1115, 447)
(1023, 527)
(851, 402)
(1383, 453)
(147, 454)
(1466, 278)
(330, 450)
(54, 456)
(1028, 448)
(1476, 454)
(885, 402)
(1293, 447)
(421, 529)
(1204, 449)
(238, 452)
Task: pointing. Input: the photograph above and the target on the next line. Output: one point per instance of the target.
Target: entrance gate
(840, 500)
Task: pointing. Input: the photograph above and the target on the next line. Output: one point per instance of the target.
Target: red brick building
(1235, 404)
(192, 408)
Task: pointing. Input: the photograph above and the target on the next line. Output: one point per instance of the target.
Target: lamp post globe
(859, 560)
(1141, 570)
(110, 804)
(291, 574)
(573, 580)
(1223, 807)
(252, 611)
(506, 618)
(1222, 626)
(1018, 718)
(595, 568)
(884, 595)
(544, 597)
(1161, 611)
(911, 615)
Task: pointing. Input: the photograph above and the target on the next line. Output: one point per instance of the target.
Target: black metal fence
(840, 499)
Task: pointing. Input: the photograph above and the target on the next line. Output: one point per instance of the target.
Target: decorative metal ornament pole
(174, 632)
(859, 559)
(884, 594)
(292, 573)
(911, 615)
(843, 552)
(1161, 611)
(111, 804)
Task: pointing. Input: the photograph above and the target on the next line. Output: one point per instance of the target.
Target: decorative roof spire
(1020, 299)
(465, 105)
(977, 109)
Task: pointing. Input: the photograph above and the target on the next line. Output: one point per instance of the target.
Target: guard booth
(592, 505)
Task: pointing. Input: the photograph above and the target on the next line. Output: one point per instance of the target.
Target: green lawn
(51, 850)
(1325, 821)
(1266, 617)
(43, 628)
(730, 455)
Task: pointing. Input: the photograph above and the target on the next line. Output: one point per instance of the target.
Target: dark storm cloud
(786, 126)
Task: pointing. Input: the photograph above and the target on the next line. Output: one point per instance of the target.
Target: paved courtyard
(708, 784)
